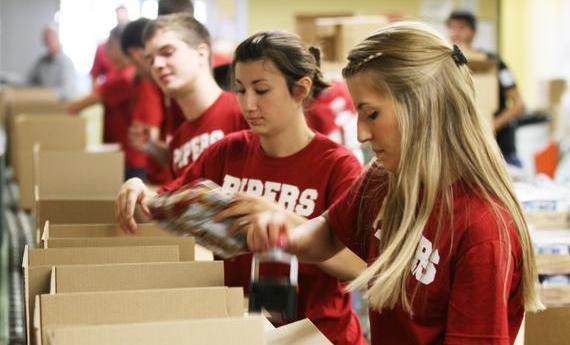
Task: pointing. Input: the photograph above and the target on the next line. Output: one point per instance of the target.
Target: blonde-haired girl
(450, 258)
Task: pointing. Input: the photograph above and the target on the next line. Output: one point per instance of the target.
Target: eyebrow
(361, 105)
(253, 82)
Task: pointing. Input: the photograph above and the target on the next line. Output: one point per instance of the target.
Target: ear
(204, 52)
(302, 89)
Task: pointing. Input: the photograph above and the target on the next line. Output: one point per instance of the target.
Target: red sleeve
(343, 215)
(148, 104)
(478, 311)
(118, 87)
(346, 171)
(100, 62)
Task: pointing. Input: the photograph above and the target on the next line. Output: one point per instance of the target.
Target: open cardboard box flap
(137, 276)
(216, 331)
(116, 307)
(185, 244)
(37, 264)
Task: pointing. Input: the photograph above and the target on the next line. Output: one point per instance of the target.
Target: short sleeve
(506, 76)
(484, 292)
(346, 171)
(343, 216)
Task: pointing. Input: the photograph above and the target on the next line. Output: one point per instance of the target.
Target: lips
(164, 77)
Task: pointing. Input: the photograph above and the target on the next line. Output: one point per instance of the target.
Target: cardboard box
(553, 264)
(486, 82)
(68, 209)
(548, 219)
(548, 327)
(185, 244)
(78, 173)
(217, 331)
(37, 264)
(53, 133)
(113, 230)
(157, 275)
(116, 307)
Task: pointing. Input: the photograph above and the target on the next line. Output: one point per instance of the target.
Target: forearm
(345, 265)
(509, 114)
(313, 241)
(157, 152)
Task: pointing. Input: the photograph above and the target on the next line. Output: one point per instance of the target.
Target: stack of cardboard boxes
(87, 282)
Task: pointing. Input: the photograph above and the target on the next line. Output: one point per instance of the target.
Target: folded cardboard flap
(101, 230)
(110, 230)
(555, 296)
(56, 132)
(37, 265)
(185, 244)
(217, 331)
(115, 277)
(548, 327)
(302, 332)
(116, 307)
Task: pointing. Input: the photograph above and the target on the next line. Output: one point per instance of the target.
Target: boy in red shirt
(450, 256)
(178, 49)
(281, 165)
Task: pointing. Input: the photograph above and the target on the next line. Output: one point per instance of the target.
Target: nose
(158, 62)
(250, 101)
(363, 132)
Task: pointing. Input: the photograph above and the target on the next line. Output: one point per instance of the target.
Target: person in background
(462, 28)
(54, 69)
(102, 65)
(148, 113)
(175, 6)
(280, 164)
(332, 113)
(116, 94)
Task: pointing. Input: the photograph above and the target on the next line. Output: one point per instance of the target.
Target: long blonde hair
(444, 138)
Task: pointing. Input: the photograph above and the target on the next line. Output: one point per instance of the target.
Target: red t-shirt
(117, 94)
(460, 278)
(332, 113)
(193, 137)
(148, 109)
(102, 65)
(306, 183)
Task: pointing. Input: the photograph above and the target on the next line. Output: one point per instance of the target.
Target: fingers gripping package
(190, 211)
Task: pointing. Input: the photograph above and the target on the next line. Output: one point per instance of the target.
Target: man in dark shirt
(462, 27)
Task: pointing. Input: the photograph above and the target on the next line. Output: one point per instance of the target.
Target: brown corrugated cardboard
(486, 81)
(555, 296)
(37, 264)
(65, 209)
(118, 307)
(548, 327)
(79, 173)
(101, 230)
(302, 332)
(548, 220)
(60, 132)
(185, 244)
(91, 278)
(218, 331)
(110, 230)
(553, 264)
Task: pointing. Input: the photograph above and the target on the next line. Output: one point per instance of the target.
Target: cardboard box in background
(115, 277)
(78, 173)
(302, 332)
(548, 327)
(37, 264)
(69, 209)
(185, 244)
(113, 230)
(486, 81)
(52, 133)
(217, 331)
(116, 307)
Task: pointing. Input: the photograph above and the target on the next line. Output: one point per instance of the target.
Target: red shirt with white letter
(460, 280)
(193, 137)
(306, 183)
